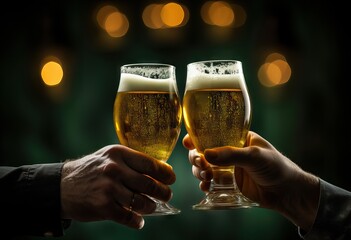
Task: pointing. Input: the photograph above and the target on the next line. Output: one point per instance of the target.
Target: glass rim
(146, 64)
(216, 61)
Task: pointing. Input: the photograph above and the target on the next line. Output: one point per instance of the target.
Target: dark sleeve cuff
(333, 220)
(32, 204)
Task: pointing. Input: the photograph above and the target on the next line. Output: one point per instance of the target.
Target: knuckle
(195, 171)
(157, 190)
(150, 186)
(254, 151)
(151, 166)
(126, 218)
(112, 169)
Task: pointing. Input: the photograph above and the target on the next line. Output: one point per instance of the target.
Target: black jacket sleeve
(30, 200)
(333, 220)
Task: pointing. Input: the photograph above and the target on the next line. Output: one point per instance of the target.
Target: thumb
(227, 156)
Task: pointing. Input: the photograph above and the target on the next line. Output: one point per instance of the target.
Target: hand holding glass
(148, 113)
(217, 112)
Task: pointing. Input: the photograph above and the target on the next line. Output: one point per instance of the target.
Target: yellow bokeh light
(275, 56)
(263, 77)
(112, 21)
(152, 16)
(205, 12)
(52, 73)
(116, 24)
(156, 16)
(147, 16)
(103, 13)
(284, 69)
(221, 14)
(275, 71)
(161, 16)
(172, 14)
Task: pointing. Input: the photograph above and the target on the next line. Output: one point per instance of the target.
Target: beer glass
(217, 112)
(147, 113)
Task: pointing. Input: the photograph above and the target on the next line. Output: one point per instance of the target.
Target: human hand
(112, 184)
(264, 175)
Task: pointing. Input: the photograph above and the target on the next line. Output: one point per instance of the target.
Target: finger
(144, 164)
(150, 187)
(204, 186)
(134, 201)
(253, 139)
(198, 160)
(126, 217)
(142, 204)
(203, 175)
(196, 172)
(187, 142)
(226, 156)
(126, 179)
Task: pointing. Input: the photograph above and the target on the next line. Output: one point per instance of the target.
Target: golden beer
(216, 117)
(148, 121)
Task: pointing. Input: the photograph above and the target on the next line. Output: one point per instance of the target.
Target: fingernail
(211, 154)
(169, 165)
(203, 175)
(198, 161)
(141, 224)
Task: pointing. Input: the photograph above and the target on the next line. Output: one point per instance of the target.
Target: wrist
(301, 203)
(66, 170)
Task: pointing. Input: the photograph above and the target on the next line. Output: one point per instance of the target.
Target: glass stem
(223, 179)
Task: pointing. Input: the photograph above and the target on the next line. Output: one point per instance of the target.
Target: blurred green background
(306, 118)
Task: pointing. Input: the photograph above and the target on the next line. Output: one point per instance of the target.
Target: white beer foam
(132, 82)
(220, 81)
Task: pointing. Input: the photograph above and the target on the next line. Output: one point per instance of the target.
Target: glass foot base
(163, 209)
(217, 200)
